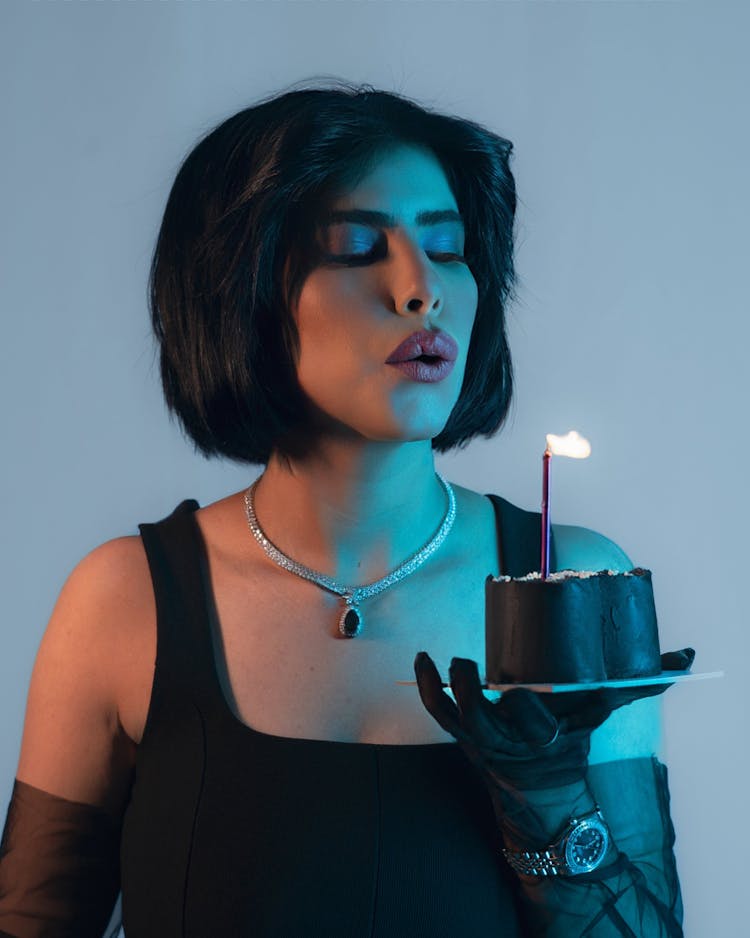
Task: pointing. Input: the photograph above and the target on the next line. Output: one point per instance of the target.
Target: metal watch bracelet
(535, 863)
(580, 848)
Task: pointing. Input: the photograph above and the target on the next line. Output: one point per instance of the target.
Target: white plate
(666, 677)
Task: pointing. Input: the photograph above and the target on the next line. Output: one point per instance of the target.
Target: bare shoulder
(116, 569)
(474, 505)
(102, 592)
(106, 596)
(583, 549)
(73, 743)
(119, 618)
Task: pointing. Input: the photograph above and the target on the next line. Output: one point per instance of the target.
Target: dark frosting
(575, 629)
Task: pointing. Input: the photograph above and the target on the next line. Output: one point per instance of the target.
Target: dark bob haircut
(237, 241)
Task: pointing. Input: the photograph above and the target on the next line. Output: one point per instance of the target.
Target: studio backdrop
(630, 133)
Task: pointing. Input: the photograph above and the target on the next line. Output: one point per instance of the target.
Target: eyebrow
(367, 217)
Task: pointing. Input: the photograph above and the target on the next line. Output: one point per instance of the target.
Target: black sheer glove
(59, 867)
(532, 752)
(637, 896)
(591, 708)
(526, 740)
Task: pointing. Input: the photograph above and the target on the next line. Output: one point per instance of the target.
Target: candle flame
(572, 444)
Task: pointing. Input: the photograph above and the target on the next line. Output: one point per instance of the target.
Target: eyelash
(357, 260)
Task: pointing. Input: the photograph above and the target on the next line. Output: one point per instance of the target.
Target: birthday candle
(573, 445)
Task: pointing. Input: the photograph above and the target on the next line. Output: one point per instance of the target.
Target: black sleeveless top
(234, 833)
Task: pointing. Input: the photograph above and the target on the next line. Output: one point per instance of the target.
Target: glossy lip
(425, 372)
(438, 344)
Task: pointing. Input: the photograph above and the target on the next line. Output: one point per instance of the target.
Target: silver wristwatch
(580, 849)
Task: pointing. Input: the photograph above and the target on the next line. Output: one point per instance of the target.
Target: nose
(418, 304)
(416, 285)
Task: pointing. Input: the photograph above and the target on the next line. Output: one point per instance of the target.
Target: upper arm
(634, 730)
(73, 744)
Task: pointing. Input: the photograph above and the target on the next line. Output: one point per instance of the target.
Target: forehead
(401, 182)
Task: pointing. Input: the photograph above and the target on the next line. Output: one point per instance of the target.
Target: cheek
(461, 298)
(318, 322)
(469, 290)
(336, 315)
(330, 345)
(327, 302)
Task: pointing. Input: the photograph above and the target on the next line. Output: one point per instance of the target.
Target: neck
(352, 514)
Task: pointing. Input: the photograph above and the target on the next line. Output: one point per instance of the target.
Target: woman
(212, 703)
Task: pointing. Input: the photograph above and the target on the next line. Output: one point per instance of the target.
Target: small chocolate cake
(573, 627)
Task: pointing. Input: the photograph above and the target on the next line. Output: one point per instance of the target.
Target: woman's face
(383, 279)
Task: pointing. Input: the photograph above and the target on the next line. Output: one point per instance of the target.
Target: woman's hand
(531, 749)
(526, 740)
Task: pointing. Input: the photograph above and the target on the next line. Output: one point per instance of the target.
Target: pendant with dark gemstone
(350, 622)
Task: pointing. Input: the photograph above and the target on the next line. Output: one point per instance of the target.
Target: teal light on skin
(368, 497)
(352, 309)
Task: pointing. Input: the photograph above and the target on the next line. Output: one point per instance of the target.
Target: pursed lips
(425, 344)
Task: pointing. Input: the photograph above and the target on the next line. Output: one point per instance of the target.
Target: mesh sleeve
(637, 895)
(59, 867)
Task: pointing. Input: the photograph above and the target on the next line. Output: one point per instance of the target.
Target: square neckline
(213, 636)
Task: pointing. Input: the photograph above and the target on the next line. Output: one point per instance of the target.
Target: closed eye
(447, 256)
(361, 244)
(358, 260)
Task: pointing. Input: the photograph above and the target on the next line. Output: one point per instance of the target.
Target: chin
(413, 424)
(412, 434)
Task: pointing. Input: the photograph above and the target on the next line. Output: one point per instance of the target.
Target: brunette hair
(235, 246)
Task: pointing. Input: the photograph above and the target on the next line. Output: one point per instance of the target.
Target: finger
(603, 702)
(680, 660)
(529, 716)
(437, 703)
(479, 718)
(467, 688)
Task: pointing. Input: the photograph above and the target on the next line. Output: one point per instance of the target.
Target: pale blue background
(630, 127)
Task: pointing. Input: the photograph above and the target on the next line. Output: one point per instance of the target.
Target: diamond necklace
(350, 620)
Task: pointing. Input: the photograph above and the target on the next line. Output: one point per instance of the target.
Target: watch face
(586, 845)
